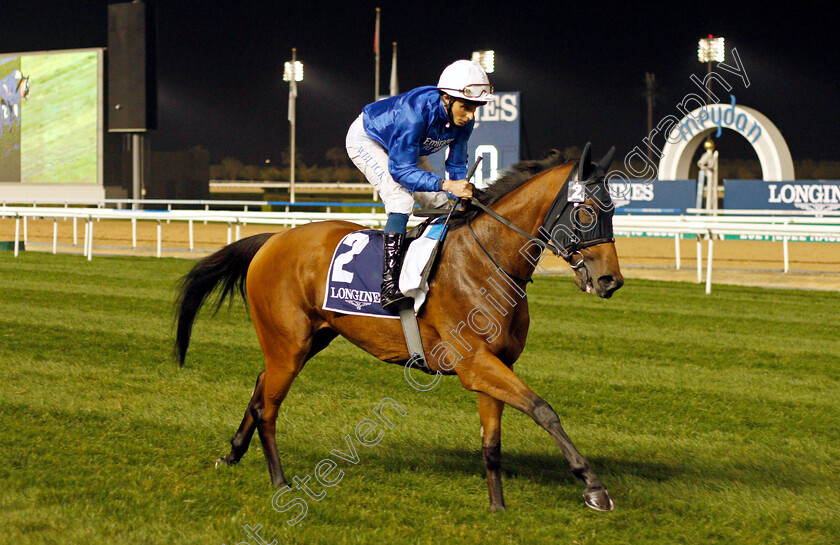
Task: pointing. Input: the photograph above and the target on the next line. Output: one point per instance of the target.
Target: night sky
(579, 66)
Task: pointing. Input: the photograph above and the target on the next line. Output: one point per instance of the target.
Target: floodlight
(298, 71)
(710, 49)
(486, 58)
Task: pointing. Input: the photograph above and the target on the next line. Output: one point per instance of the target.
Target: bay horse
(282, 276)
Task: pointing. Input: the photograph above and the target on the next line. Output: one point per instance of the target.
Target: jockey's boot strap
(391, 296)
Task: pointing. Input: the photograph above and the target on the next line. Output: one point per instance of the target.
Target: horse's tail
(225, 269)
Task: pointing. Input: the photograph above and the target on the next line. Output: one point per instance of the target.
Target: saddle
(355, 275)
(411, 330)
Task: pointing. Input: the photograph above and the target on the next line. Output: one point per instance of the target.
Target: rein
(480, 245)
(573, 238)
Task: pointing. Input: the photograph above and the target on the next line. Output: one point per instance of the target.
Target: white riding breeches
(371, 158)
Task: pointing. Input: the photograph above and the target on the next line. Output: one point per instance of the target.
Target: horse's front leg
(486, 373)
(490, 413)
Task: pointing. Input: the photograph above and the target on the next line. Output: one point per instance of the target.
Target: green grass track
(711, 419)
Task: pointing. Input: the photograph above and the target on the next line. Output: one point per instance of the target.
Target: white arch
(683, 139)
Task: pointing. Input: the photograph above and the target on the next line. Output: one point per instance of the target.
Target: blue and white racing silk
(412, 125)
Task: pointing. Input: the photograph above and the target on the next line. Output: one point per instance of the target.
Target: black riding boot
(392, 297)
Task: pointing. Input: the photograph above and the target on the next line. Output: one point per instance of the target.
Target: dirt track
(813, 265)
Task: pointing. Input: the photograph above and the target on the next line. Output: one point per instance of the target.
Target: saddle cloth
(355, 275)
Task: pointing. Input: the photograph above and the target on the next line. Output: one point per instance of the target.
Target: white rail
(234, 221)
(702, 227)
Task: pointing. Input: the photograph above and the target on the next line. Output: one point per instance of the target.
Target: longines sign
(656, 197)
(811, 195)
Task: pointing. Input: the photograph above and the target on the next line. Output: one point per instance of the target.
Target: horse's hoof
(224, 461)
(598, 499)
(500, 508)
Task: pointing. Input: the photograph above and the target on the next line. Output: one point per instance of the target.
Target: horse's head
(581, 230)
(576, 225)
(21, 84)
(23, 88)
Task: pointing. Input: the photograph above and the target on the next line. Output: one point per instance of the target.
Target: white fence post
(786, 252)
(677, 238)
(90, 240)
(709, 264)
(699, 259)
(17, 236)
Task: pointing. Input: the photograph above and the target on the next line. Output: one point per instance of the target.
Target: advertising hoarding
(653, 197)
(810, 195)
(51, 125)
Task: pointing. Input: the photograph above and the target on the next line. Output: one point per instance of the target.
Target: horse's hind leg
(278, 380)
(261, 415)
(285, 355)
(242, 440)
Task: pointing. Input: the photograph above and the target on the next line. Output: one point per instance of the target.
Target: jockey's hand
(460, 188)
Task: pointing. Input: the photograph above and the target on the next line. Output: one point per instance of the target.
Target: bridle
(562, 231)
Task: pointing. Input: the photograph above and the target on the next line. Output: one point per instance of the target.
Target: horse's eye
(584, 216)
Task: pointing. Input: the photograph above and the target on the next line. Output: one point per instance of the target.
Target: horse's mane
(515, 176)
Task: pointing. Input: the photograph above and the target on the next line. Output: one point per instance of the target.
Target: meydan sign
(686, 135)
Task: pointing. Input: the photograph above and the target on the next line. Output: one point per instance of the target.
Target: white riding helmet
(466, 80)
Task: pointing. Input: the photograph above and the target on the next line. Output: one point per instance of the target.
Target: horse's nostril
(606, 281)
(609, 282)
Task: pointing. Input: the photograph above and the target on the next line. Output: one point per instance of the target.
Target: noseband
(562, 231)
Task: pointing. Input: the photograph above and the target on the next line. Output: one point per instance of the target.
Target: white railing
(170, 204)
(678, 227)
(234, 221)
(710, 228)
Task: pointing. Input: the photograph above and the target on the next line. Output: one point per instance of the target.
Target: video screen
(49, 117)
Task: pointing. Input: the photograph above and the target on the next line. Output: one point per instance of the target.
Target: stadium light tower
(486, 58)
(708, 50)
(293, 73)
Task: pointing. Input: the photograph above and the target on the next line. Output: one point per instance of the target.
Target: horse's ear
(606, 161)
(585, 161)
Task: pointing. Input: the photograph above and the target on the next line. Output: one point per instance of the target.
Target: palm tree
(286, 157)
(337, 157)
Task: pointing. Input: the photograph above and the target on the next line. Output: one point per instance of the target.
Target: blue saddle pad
(355, 276)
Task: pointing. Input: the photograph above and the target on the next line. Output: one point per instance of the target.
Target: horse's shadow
(540, 468)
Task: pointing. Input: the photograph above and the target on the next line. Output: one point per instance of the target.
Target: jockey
(390, 141)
